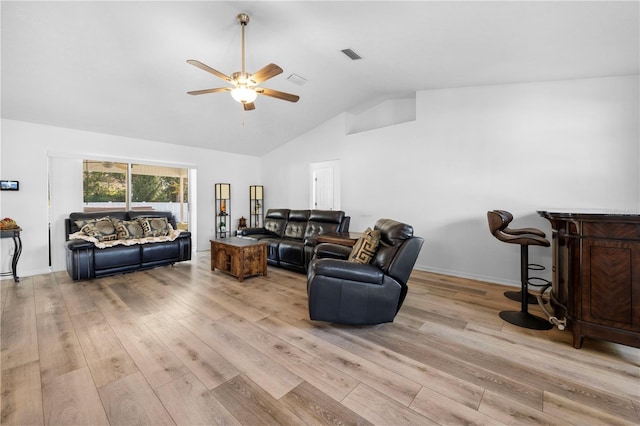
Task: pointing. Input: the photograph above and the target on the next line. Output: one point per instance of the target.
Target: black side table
(17, 244)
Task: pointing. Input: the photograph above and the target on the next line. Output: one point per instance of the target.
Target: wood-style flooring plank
(273, 377)
(565, 408)
(379, 409)
(72, 399)
(543, 369)
(18, 293)
(211, 368)
(405, 341)
(106, 356)
(190, 403)
(315, 407)
(393, 385)
(58, 345)
(18, 332)
(156, 362)
(21, 395)
(307, 366)
(252, 405)
(452, 387)
(445, 411)
(131, 401)
(511, 412)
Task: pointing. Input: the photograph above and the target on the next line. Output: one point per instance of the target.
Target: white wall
(518, 147)
(26, 150)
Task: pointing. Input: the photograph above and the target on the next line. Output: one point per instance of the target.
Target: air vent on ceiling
(296, 79)
(351, 54)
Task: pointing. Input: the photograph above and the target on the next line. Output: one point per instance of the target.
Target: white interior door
(325, 184)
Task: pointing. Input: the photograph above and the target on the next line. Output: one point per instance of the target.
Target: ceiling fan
(244, 85)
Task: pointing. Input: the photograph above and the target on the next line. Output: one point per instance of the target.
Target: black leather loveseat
(85, 260)
(292, 234)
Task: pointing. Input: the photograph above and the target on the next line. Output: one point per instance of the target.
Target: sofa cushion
(116, 257)
(365, 248)
(297, 224)
(165, 251)
(71, 223)
(128, 229)
(322, 222)
(143, 214)
(101, 229)
(155, 226)
(291, 251)
(327, 216)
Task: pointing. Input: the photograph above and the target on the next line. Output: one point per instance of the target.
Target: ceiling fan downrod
(243, 20)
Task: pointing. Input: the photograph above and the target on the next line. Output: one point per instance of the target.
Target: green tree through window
(107, 182)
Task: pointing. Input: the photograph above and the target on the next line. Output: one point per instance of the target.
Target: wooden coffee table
(240, 257)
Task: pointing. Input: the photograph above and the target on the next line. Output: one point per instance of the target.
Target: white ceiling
(119, 67)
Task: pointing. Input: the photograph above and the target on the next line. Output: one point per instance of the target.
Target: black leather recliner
(346, 292)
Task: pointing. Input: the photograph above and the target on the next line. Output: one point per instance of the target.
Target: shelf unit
(223, 209)
(256, 206)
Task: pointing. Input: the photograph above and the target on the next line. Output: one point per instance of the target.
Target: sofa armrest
(332, 251)
(351, 271)
(184, 240)
(79, 245)
(79, 259)
(253, 231)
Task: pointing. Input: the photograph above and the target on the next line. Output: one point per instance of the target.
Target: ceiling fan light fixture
(244, 88)
(244, 94)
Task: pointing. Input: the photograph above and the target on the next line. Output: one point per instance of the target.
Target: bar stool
(499, 226)
(506, 219)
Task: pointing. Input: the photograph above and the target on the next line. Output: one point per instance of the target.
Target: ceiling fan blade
(277, 94)
(217, 89)
(265, 73)
(207, 68)
(249, 106)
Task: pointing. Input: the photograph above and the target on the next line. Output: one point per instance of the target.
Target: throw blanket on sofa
(173, 234)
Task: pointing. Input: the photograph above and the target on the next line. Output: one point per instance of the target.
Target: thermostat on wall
(9, 185)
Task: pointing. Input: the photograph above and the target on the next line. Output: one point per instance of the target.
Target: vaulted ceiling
(120, 67)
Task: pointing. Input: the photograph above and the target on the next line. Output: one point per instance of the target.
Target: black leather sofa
(345, 292)
(86, 261)
(292, 234)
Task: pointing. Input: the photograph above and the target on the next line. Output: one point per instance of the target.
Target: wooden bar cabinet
(596, 274)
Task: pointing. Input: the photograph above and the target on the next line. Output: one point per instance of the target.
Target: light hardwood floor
(184, 345)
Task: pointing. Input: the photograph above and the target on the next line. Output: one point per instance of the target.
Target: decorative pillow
(155, 226)
(365, 248)
(128, 229)
(101, 229)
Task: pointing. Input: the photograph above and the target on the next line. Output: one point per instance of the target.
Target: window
(126, 186)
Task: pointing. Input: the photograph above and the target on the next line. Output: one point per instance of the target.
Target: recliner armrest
(351, 271)
(332, 251)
